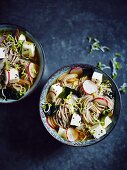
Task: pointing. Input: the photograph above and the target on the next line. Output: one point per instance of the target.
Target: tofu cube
(75, 120)
(56, 88)
(62, 132)
(2, 53)
(12, 76)
(107, 121)
(97, 131)
(22, 37)
(97, 77)
(28, 49)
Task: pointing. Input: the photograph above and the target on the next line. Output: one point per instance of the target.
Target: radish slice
(76, 70)
(33, 70)
(7, 75)
(101, 101)
(51, 122)
(89, 87)
(72, 134)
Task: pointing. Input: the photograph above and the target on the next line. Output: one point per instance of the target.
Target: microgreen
(117, 54)
(115, 67)
(102, 66)
(96, 46)
(123, 87)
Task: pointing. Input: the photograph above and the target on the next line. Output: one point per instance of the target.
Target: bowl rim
(95, 141)
(41, 53)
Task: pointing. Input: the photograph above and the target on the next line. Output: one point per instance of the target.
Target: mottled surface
(62, 28)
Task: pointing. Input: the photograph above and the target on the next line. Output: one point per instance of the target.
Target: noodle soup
(79, 105)
(19, 64)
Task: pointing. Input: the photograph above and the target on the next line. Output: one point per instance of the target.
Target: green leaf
(99, 65)
(107, 48)
(66, 91)
(17, 66)
(114, 76)
(105, 114)
(123, 90)
(7, 65)
(118, 65)
(96, 40)
(115, 66)
(96, 46)
(117, 54)
(10, 38)
(103, 121)
(123, 87)
(102, 66)
(89, 39)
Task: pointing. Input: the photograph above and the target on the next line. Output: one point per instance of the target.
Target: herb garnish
(117, 54)
(96, 46)
(102, 66)
(115, 67)
(122, 88)
(66, 91)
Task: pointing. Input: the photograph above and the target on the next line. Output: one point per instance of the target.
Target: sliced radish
(76, 70)
(7, 75)
(81, 89)
(51, 122)
(33, 70)
(101, 101)
(72, 134)
(89, 87)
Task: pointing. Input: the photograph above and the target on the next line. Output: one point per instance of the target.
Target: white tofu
(2, 53)
(62, 132)
(12, 76)
(75, 120)
(28, 49)
(56, 88)
(22, 37)
(107, 121)
(97, 131)
(97, 77)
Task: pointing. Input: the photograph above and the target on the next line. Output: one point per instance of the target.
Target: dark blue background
(62, 27)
